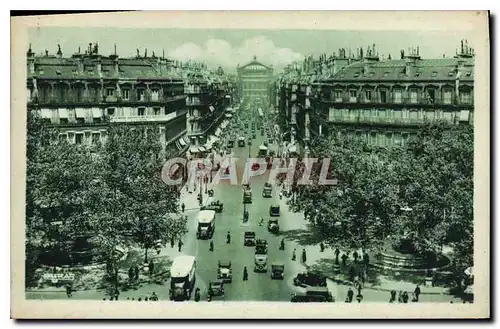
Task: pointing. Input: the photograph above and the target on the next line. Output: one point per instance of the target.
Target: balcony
(143, 118)
(111, 99)
(376, 120)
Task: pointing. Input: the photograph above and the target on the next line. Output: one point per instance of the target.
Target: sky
(228, 48)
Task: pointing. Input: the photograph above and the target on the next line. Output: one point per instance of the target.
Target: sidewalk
(324, 261)
(190, 200)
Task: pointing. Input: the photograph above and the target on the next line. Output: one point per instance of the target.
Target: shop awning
(46, 113)
(178, 144)
(182, 142)
(81, 113)
(96, 112)
(63, 113)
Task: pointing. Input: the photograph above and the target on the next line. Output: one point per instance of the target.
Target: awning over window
(96, 112)
(63, 113)
(464, 115)
(46, 113)
(178, 144)
(81, 113)
(182, 142)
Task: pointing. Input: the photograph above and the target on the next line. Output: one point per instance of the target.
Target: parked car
(310, 279)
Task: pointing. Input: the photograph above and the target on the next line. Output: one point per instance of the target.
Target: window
(110, 92)
(154, 94)
(63, 121)
(352, 95)
(79, 138)
(111, 111)
(156, 110)
(388, 139)
(140, 94)
(192, 127)
(126, 94)
(413, 115)
(140, 111)
(447, 96)
(337, 95)
(368, 95)
(431, 96)
(413, 96)
(383, 96)
(448, 116)
(367, 113)
(465, 96)
(397, 96)
(382, 113)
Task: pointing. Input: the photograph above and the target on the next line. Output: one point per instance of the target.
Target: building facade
(381, 101)
(209, 95)
(84, 93)
(255, 81)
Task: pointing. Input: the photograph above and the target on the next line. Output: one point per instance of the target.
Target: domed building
(255, 80)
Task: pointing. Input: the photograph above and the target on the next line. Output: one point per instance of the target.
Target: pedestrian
(151, 267)
(337, 252)
(211, 245)
(228, 237)
(321, 247)
(131, 273)
(344, 259)
(355, 256)
(180, 245)
(136, 273)
(154, 297)
(405, 297)
(145, 299)
(352, 273)
(358, 287)
(393, 296)
(400, 296)
(183, 207)
(133, 298)
(69, 291)
(417, 292)
(116, 294)
(139, 299)
(304, 258)
(294, 256)
(366, 259)
(350, 295)
(245, 274)
(359, 297)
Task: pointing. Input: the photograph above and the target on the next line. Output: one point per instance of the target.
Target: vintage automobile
(241, 141)
(274, 211)
(310, 279)
(217, 289)
(262, 150)
(224, 271)
(249, 239)
(260, 262)
(267, 191)
(214, 205)
(313, 295)
(273, 226)
(254, 134)
(261, 246)
(277, 270)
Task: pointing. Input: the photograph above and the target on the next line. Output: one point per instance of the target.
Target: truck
(206, 224)
(182, 277)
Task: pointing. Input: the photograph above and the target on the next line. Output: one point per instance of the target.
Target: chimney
(411, 60)
(59, 51)
(370, 58)
(98, 63)
(31, 60)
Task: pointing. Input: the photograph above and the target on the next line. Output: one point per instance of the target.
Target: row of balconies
(468, 100)
(69, 99)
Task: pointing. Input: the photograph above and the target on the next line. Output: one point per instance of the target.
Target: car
(273, 226)
(312, 295)
(260, 261)
(274, 211)
(277, 270)
(261, 246)
(249, 238)
(310, 278)
(216, 288)
(224, 271)
(214, 205)
(267, 191)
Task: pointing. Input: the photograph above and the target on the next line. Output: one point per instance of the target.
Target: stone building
(255, 81)
(209, 94)
(382, 101)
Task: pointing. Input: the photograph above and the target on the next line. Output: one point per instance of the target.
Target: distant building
(255, 80)
(382, 102)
